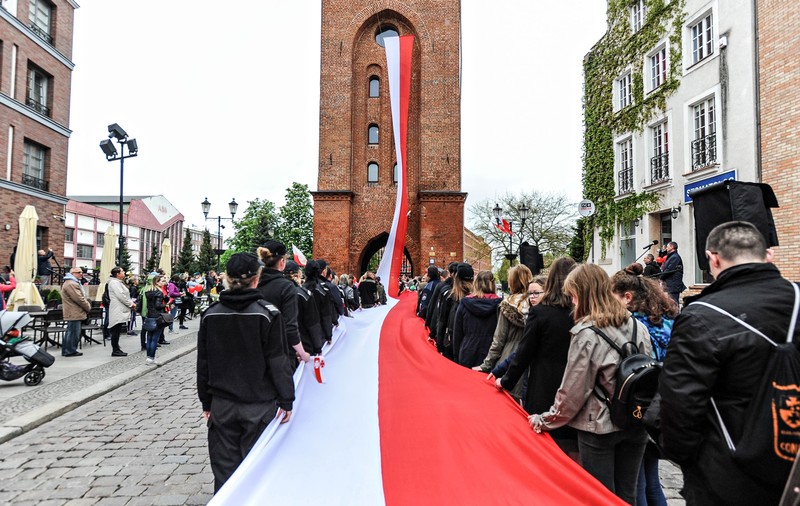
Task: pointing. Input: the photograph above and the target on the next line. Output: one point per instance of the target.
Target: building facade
(676, 110)
(357, 181)
(35, 82)
(476, 252)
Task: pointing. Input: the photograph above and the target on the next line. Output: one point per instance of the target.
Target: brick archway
(374, 246)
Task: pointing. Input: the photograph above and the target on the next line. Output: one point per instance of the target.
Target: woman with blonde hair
(608, 453)
(511, 321)
(475, 321)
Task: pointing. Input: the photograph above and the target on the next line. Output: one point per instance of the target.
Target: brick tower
(355, 199)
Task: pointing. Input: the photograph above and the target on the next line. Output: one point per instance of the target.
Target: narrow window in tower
(394, 174)
(372, 136)
(385, 31)
(372, 174)
(374, 87)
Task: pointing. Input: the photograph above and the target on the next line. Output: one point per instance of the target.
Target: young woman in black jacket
(475, 321)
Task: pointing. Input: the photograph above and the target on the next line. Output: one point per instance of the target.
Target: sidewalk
(71, 382)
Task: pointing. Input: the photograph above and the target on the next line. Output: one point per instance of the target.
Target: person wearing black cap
(337, 303)
(319, 290)
(308, 322)
(462, 286)
(280, 292)
(243, 374)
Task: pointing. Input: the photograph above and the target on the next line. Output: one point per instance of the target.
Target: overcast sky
(224, 100)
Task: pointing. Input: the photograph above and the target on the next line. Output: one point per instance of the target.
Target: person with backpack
(715, 367)
(651, 305)
(610, 453)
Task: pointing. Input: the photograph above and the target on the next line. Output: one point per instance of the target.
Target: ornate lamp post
(523, 216)
(116, 132)
(232, 207)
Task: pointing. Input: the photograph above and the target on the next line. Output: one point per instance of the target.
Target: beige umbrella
(26, 294)
(108, 260)
(165, 263)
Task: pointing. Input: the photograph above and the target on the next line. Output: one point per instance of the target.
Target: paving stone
(68, 492)
(84, 501)
(101, 492)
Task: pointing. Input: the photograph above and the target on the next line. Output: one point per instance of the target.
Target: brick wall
(350, 57)
(779, 68)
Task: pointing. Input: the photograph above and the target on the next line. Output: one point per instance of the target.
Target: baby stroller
(14, 344)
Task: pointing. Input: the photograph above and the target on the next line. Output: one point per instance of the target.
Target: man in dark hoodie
(243, 375)
(336, 296)
(280, 292)
(308, 318)
(432, 312)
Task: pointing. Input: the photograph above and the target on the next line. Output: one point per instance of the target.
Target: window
(638, 14)
(625, 166)
(101, 240)
(33, 164)
(374, 87)
(383, 32)
(38, 86)
(702, 34)
(704, 145)
(627, 243)
(372, 174)
(658, 68)
(69, 235)
(372, 136)
(84, 251)
(39, 14)
(395, 175)
(624, 85)
(659, 163)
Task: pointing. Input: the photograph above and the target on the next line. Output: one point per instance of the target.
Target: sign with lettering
(703, 183)
(586, 208)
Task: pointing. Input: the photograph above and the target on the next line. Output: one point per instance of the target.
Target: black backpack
(637, 383)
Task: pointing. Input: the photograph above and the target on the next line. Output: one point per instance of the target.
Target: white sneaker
(151, 361)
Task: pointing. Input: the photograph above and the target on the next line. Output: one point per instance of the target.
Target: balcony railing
(38, 106)
(42, 34)
(659, 168)
(704, 151)
(35, 182)
(625, 181)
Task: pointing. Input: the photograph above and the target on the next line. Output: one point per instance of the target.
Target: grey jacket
(591, 360)
(121, 304)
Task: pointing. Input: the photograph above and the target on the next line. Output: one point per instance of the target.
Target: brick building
(35, 82)
(354, 203)
(779, 104)
(476, 252)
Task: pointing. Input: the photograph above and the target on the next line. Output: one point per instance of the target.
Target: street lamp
(116, 132)
(523, 216)
(232, 207)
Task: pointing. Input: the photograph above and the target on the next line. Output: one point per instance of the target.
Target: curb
(53, 409)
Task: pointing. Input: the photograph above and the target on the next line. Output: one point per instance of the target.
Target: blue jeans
(152, 337)
(69, 343)
(173, 312)
(614, 459)
(649, 491)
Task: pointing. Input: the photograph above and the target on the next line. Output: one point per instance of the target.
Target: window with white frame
(394, 174)
(638, 14)
(84, 251)
(373, 134)
(374, 87)
(625, 89)
(659, 162)
(33, 160)
(372, 174)
(39, 14)
(69, 234)
(704, 142)
(627, 243)
(38, 89)
(625, 174)
(658, 68)
(702, 34)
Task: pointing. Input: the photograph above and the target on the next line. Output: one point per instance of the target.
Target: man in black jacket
(243, 372)
(651, 268)
(672, 273)
(711, 356)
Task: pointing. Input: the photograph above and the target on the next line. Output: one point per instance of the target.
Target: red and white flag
(396, 423)
(299, 257)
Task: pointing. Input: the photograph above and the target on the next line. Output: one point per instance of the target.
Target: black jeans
(614, 459)
(115, 331)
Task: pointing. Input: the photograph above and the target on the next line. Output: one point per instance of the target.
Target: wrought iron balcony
(659, 168)
(35, 182)
(38, 106)
(42, 34)
(625, 181)
(704, 151)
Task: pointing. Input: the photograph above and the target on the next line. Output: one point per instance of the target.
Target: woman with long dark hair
(475, 321)
(462, 286)
(152, 305)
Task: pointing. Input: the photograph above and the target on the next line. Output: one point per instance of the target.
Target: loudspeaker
(732, 201)
(530, 257)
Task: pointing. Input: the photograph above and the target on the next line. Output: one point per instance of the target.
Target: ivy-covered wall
(618, 50)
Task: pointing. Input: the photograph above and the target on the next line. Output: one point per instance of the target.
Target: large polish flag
(396, 423)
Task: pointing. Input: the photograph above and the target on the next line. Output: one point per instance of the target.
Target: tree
(577, 246)
(296, 219)
(548, 225)
(186, 260)
(257, 226)
(206, 260)
(152, 262)
(126, 256)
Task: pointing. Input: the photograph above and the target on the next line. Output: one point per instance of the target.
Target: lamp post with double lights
(232, 207)
(116, 132)
(523, 216)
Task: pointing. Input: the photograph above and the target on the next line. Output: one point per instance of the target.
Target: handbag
(177, 301)
(164, 320)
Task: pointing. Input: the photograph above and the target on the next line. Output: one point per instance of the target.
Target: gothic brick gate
(354, 204)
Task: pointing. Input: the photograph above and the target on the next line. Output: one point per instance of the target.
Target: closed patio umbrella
(165, 263)
(108, 260)
(25, 262)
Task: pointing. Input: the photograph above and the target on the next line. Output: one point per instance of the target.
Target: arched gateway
(355, 200)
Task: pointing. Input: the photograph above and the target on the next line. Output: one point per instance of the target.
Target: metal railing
(659, 168)
(625, 181)
(38, 106)
(42, 34)
(35, 182)
(704, 151)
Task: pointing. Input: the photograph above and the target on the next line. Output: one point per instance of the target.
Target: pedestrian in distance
(43, 268)
(75, 308)
(672, 273)
(152, 305)
(119, 309)
(243, 374)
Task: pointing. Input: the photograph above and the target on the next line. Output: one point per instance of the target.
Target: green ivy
(617, 50)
